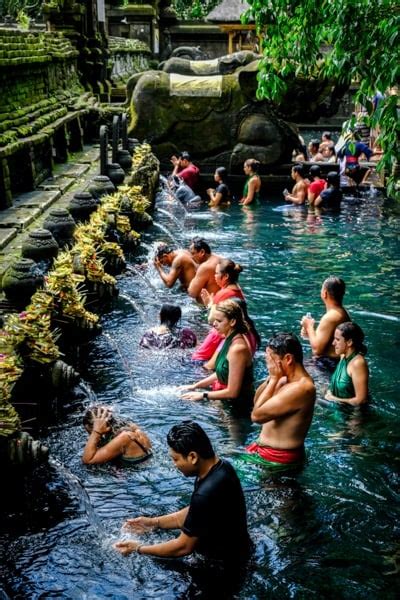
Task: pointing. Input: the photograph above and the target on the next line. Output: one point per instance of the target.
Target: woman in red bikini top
(226, 276)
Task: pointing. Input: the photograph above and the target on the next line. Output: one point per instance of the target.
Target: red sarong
(277, 455)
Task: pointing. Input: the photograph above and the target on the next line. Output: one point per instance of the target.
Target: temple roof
(228, 11)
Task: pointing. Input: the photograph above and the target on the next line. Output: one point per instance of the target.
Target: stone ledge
(6, 235)
(41, 200)
(58, 182)
(20, 218)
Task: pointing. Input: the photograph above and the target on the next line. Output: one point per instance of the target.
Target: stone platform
(29, 210)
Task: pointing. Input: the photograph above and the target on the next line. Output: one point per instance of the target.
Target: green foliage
(194, 9)
(340, 40)
(23, 20)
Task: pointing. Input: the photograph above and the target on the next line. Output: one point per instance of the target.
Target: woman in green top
(349, 382)
(251, 190)
(234, 363)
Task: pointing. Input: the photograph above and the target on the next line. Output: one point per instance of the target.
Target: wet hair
(333, 178)
(199, 243)
(249, 320)
(116, 423)
(170, 315)
(298, 169)
(185, 155)
(335, 287)
(230, 268)
(187, 437)
(253, 164)
(286, 343)
(314, 143)
(315, 171)
(163, 249)
(232, 310)
(352, 331)
(327, 135)
(223, 173)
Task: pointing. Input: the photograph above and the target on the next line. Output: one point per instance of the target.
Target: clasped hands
(305, 323)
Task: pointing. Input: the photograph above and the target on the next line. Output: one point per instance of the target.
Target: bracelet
(205, 396)
(138, 548)
(98, 432)
(158, 523)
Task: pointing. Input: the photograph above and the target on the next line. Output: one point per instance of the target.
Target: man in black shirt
(215, 522)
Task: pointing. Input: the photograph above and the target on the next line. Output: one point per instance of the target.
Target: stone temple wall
(41, 107)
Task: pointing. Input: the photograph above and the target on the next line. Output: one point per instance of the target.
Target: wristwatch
(205, 396)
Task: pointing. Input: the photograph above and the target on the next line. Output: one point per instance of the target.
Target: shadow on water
(330, 530)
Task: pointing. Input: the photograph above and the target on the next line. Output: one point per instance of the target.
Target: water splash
(77, 488)
(137, 271)
(124, 362)
(134, 304)
(172, 217)
(166, 231)
(88, 391)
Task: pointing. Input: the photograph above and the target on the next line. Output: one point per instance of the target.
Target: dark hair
(199, 243)
(185, 155)
(298, 169)
(333, 178)
(315, 171)
(249, 320)
(222, 172)
(230, 268)
(314, 142)
(352, 331)
(170, 315)
(331, 146)
(163, 249)
(116, 423)
(286, 343)
(326, 134)
(335, 287)
(187, 437)
(232, 310)
(253, 164)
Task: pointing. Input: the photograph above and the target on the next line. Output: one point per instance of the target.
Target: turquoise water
(330, 531)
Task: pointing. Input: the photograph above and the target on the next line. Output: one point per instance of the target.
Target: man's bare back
(205, 277)
(186, 267)
(326, 328)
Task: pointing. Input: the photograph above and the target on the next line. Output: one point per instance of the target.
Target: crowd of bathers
(283, 404)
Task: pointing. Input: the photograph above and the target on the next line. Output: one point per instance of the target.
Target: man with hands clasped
(321, 338)
(215, 522)
(283, 404)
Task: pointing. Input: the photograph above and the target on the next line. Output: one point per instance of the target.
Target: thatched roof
(228, 11)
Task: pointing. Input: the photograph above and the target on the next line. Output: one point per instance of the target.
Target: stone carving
(227, 126)
(217, 66)
(189, 52)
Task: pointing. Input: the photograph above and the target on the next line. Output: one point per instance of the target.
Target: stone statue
(216, 118)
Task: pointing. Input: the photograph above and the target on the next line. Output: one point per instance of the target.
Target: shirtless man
(205, 274)
(283, 404)
(321, 338)
(181, 264)
(299, 191)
